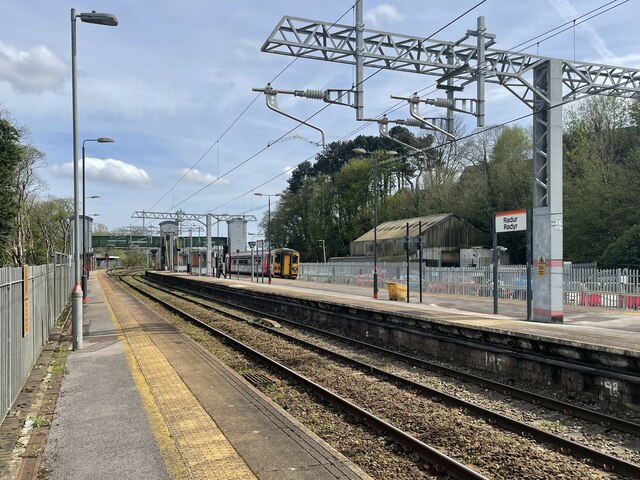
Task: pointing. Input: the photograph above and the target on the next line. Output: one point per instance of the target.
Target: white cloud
(108, 170)
(381, 14)
(203, 178)
(37, 70)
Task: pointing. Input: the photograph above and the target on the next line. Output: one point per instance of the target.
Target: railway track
(608, 462)
(440, 461)
(602, 419)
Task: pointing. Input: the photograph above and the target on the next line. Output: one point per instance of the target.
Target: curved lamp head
(105, 140)
(99, 18)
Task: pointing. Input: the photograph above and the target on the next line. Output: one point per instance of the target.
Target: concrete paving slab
(100, 429)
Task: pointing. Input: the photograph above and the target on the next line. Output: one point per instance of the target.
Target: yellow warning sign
(25, 299)
(541, 265)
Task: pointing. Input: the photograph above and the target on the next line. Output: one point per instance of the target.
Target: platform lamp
(76, 323)
(269, 227)
(362, 151)
(85, 271)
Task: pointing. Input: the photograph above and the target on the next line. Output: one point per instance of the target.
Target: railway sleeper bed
(602, 375)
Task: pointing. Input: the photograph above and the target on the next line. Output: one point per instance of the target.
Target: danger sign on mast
(512, 221)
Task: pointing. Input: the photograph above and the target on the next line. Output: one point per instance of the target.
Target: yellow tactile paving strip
(204, 449)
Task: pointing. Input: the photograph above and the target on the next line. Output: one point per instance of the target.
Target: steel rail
(568, 447)
(439, 460)
(566, 408)
(450, 338)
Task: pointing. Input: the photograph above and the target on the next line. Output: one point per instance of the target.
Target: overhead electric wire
(237, 119)
(262, 184)
(401, 104)
(326, 106)
(574, 23)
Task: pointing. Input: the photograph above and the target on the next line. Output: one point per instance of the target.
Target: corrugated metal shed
(398, 228)
(445, 231)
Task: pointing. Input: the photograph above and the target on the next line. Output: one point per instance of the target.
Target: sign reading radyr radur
(511, 221)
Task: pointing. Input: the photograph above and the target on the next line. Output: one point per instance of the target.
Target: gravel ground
(494, 452)
(610, 441)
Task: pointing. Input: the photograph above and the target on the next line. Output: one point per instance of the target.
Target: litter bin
(397, 291)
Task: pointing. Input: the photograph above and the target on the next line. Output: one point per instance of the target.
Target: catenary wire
(237, 119)
(399, 105)
(323, 108)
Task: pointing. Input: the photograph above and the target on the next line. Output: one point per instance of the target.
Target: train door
(286, 265)
(295, 259)
(276, 269)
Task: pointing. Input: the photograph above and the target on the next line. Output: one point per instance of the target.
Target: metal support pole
(495, 266)
(269, 238)
(220, 254)
(84, 232)
(359, 86)
(529, 261)
(209, 269)
(375, 227)
(420, 256)
(408, 292)
(262, 259)
(76, 323)
(482, 68)
(547, 191)
(252, 264)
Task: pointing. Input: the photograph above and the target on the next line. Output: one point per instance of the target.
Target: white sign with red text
(512, 221)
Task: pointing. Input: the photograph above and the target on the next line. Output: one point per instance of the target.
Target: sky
(170, 82)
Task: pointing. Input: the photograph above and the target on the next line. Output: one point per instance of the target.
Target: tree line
(33, 225)
(334, 198)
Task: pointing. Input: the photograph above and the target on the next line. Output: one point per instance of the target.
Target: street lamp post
(269, 227)
(362, 151)
(85, 271)
(76, 323)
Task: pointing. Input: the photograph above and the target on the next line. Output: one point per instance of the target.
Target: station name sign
(512, 221)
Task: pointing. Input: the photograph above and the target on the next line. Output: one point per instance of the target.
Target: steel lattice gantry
(544, 84)
(181, 216)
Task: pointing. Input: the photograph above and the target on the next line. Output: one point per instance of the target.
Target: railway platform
(143, 400)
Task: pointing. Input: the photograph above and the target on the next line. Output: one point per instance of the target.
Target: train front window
(278, 257)
(294, 259)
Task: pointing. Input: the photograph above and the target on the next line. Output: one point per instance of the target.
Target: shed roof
(398, 228)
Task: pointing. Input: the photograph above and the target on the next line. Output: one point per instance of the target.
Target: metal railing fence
(583, 285)
(49, 289)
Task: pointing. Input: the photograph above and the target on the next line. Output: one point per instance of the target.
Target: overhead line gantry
(544, 84)
(180, 216)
